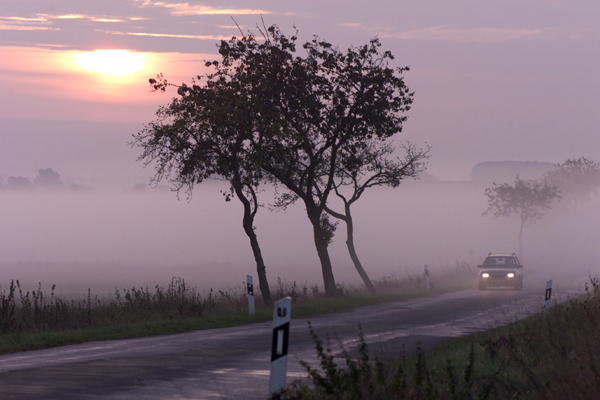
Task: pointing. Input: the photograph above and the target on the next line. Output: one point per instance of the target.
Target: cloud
(179, 9)
(351, 25)
(45, 21)
(38, 19)
(71, 16)
(12, 27)
(83, 16)
(24, 24)
(168, 35)
(107, 20)
(476, 35)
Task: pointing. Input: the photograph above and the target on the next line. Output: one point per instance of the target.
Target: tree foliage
(19, 183)
(48, 179)
(577, 178)
(528, 199)
(202, 134)
(330, 106)
(267, 113)
(373, 165)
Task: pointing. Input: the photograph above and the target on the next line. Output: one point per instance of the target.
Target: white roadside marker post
(250, 288)
(548, 296)
(281, 329)
(427, 285)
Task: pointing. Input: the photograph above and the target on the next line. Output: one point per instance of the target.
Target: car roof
(501, 255)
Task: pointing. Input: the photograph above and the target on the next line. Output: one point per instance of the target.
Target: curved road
(234, 363)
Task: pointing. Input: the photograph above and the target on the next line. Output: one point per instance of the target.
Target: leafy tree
(19, 183)
(283, 106)
(577, 178)
(290, 117)
(203, 134)
(528, 199)
(314, 109)
(48, 179)
(368, 167)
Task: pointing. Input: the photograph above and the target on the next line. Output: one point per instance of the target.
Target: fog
(107, 239)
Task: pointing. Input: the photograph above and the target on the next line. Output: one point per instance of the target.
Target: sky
(494, 80)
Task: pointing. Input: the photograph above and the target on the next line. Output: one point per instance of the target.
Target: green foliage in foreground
(36, 320)
(554, 355)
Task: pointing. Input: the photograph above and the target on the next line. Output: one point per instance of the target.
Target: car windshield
(499, 262)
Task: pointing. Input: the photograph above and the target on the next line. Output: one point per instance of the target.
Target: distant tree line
(505, 171)
(46, 179)
(577, 178)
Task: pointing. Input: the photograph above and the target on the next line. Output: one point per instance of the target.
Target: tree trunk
(260, 264)
(521, 255)
(248, 223)
(321, 245)
(352, 251)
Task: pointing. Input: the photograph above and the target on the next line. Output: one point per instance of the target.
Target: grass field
(36, 319)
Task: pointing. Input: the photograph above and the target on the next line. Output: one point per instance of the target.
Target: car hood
(499, 270)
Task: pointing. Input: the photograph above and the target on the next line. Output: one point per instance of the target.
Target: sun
(111, 62)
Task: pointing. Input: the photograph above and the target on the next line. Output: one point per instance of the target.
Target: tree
(292, 116)
(577, 178)
(314, 109)
(371, 166)
(528, 199)
(19, 183)
(48, 179)
(198, 137)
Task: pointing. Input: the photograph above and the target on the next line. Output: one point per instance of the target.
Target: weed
(550, 355)
(35, 319)
(35, 311)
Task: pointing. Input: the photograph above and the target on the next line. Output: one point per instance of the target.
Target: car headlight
(485, 275)
(511, 275)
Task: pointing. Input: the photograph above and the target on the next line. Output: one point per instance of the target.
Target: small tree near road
(528, 199)
(197, 138)
(372, 166)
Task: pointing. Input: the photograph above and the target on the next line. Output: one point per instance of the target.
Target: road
(233, 363)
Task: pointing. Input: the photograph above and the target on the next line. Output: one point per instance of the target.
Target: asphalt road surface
(234, 363)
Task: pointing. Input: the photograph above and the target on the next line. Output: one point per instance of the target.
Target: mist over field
(107, 239)
(492, 82)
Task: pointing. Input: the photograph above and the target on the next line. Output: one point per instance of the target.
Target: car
(501, 269)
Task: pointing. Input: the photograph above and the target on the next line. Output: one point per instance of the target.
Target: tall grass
(554, 355)
(35, 311)
(39, 311)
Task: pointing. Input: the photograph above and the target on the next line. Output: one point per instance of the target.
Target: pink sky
(494, 80)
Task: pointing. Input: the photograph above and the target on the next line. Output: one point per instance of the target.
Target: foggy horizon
(116, 239)
(493, 82)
